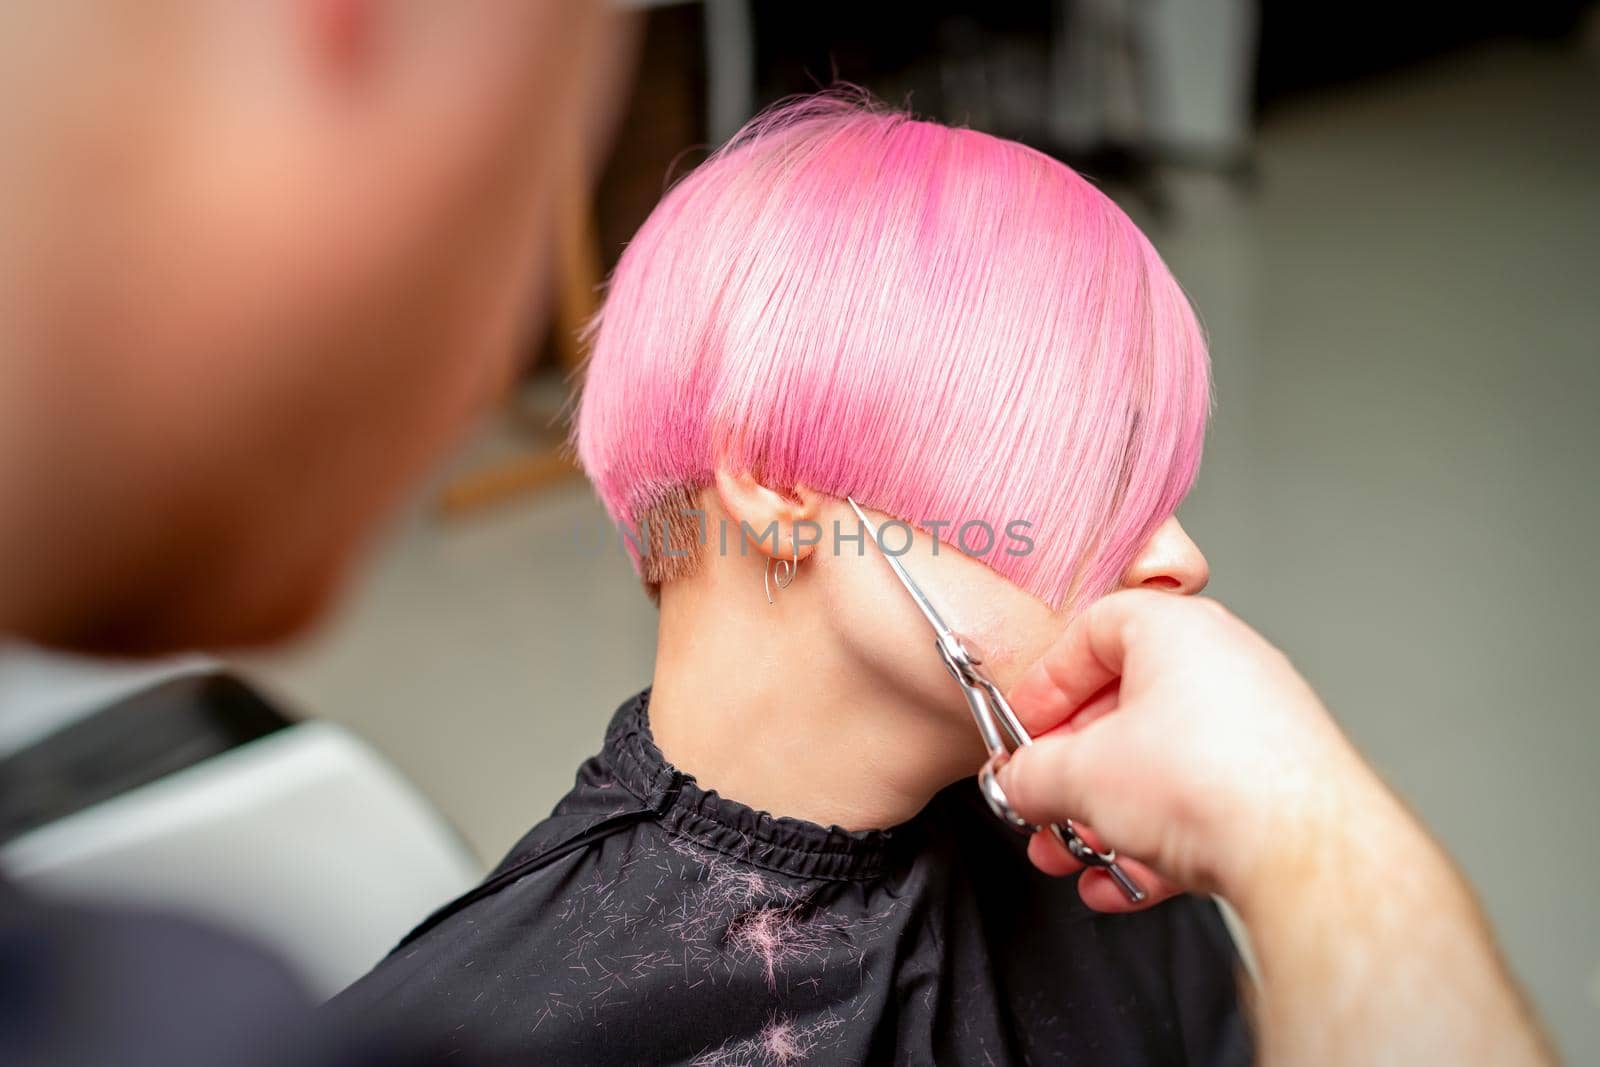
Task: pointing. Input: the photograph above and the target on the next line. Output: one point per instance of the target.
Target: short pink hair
(945, 325)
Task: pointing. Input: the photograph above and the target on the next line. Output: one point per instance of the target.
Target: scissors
(996, 723)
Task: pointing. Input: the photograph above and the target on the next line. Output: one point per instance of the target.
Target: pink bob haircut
(947, 326)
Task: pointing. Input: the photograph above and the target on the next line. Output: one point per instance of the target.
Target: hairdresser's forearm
(1372, 949)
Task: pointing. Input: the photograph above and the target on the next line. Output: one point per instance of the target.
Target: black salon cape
(649, 921)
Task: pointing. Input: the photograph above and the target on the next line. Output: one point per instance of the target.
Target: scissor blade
(923, 604)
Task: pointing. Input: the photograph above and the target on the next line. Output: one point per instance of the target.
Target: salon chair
(193, 794)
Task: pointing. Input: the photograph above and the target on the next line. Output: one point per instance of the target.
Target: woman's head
(950, 327)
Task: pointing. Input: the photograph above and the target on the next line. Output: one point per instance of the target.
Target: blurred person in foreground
(258, 262)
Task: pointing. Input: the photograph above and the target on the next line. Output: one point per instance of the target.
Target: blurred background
(1388, 216)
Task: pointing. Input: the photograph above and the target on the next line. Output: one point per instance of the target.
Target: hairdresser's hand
(1183, 739)
(1190, 742)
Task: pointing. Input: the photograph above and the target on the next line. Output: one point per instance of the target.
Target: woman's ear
(780, 523)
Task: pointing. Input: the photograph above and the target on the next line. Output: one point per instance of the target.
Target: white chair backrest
(304, 839)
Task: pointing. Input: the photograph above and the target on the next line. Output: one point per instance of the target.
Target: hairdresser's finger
(1051, 856)
(1056, 778)
(1100, 891)
(1083, 661)
(1096, 887)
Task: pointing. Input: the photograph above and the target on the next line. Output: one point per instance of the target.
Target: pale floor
(1399, 490)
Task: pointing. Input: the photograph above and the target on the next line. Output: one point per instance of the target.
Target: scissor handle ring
(989, 786)
(1066, 833)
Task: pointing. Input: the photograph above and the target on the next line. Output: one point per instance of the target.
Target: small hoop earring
(778, 572)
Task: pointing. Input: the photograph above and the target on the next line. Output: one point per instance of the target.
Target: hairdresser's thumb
(1054, 779)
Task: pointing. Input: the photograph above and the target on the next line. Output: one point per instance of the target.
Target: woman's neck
(762, 703)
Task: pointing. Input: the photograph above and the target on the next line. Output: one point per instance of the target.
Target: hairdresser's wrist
(1342, 822)
(1371, 945)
